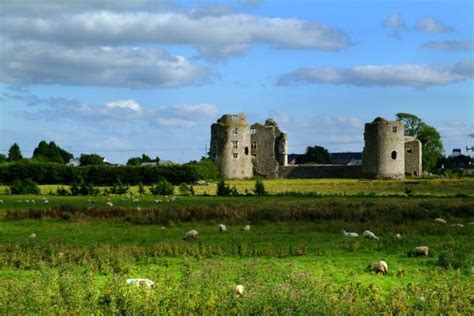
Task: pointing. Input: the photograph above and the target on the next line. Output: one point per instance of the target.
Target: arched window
(246, 151)
(394, 155)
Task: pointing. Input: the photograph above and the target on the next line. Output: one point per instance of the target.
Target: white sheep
(32, 236)
(192, 234)
(136, 200)
(458, 225)
(440, 220)
(247, 227)
(140, 282)
(158, 201)
(370, 235)
(109, 204)
(45, 201)
(222, 228)
(1, 201)
(379, 267)
(163, 227)
(27, 201)
(349, 234)
(422, 251)
(398, 236)
(240, 289)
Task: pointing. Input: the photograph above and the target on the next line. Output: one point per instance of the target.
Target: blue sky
(123, 78)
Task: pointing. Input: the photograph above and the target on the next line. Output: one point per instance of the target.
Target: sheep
(458, 225)
(163, 227)
(45, 201)
(1, 201)
(158, 201)
(240, 289)
(32, 236)
(136, 200)
(222, 228)
(349, 234)
(139, 208)
(398, 236)
(140, 282)
(379, 267)
(192, 234)
(247, 227)
(27, 201)
(440, 220)
(110, 204)
(422, 251)
(370, 235)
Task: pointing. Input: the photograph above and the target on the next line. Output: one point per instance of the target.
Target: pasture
(294, 259)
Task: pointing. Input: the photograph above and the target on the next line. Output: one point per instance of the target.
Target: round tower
(230, 146)
(384, 150)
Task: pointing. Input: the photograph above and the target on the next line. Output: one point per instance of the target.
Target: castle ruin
(242, 151)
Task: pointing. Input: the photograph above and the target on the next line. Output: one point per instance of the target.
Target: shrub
(62, 191)
(162, 188)
(224, 190)
(260, 188)
(141, 189)
(185, 189)
(119, 188)
(79, 187)
(453, 258)
(27, 186)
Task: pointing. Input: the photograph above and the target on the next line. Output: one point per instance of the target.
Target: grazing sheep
(247, 227)
(1, 201)
(439, 220)
(110, 204)
(136, 200)
(139, 208)
(45, 201)
(349, 234)
(470, 223)
(398, 236)
(222, 228)
(163, 227)
(192, 234)
(458, 225)
(240, 289)
(27, 201)
(422, 251)
(370, 235)
(140, 282)
(379, 267)
(32, 236)
(158, 201)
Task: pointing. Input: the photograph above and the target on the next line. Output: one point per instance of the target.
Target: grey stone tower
(384, 150)
(230, 146)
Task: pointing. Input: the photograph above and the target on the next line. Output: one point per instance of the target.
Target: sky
(122, 78)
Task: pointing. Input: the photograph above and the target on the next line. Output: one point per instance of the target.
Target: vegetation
(428, 136)
(163, 187)
(51, 153)
(91, 160)
(260, 188)
(314, 154)
(136, 161)
(26, 186)
(14, 153)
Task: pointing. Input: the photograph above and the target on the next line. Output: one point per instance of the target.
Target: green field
(294, 260)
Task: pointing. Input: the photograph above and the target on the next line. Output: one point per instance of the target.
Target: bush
(224, 190)
(205, 169)
(141, 189)
(260, 188)
(453, 258)
(162, 188)
(119, 188)
(62, 191)
(79, 187)
(27, 186)
(185, 189)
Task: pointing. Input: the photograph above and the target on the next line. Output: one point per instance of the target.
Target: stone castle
(242, 151)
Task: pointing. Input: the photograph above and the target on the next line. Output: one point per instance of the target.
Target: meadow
(294, 259)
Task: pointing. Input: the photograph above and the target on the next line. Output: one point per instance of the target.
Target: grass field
(294, 260)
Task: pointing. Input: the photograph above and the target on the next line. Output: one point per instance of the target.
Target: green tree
(432, 146)
(315, 154)
(136, 161)
(51, 152)
(14, 153)
(92, 159)
(3, 158)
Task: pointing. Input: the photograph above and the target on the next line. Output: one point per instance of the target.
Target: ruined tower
(413, 155)
(230, 146)
(384, 150)
(269, 148)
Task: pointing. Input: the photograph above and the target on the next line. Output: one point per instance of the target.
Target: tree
(51, 152)
(315, 154)
(136, 161)
(429, 137)
(14, 153)
(3, 158)
(92, 159)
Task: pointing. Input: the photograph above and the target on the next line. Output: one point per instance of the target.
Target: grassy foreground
(294, 260)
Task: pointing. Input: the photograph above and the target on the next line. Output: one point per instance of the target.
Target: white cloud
(429, 24)
(411, 75)
(32, 62)
(175, 28)
(449, 45)
(395, 24)
(124, 104)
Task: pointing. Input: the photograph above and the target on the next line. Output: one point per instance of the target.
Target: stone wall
(320, 172)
